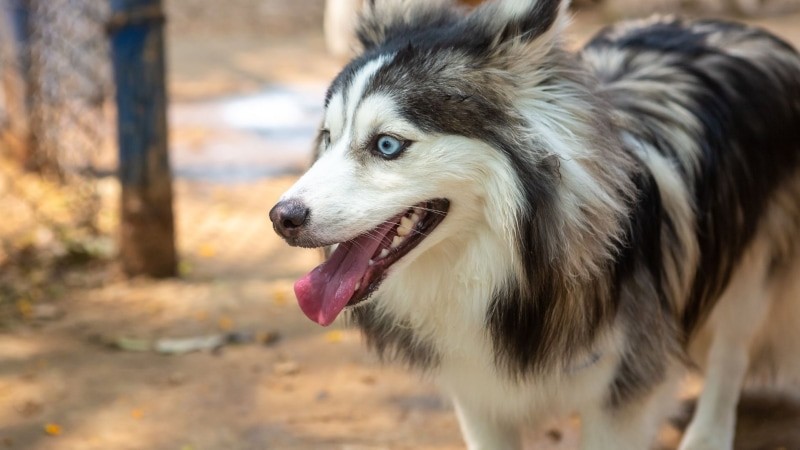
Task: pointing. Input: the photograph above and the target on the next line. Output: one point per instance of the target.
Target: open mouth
(358, 266)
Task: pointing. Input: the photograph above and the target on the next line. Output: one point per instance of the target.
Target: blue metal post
(20, 98)
(20, 13)
(147, 236)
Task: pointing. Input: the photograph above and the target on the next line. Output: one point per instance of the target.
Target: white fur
(339, 25)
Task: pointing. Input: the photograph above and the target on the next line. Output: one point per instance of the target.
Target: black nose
(288, 217)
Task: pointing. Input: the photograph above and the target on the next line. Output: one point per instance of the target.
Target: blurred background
(145, 302)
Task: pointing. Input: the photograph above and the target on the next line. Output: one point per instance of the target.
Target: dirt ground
(84, 375)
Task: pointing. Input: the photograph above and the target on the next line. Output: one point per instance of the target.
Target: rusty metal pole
(147, 231)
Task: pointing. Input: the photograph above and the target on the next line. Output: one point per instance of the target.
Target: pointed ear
(511, 23)
(383, 20)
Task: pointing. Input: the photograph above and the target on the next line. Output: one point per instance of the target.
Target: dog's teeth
(371, 262)
(358, 285)
(384, 253)
(415, 217)
(405, 227)
(397, 241)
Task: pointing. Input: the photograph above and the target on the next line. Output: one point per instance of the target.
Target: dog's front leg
(633, 424)
(734, 325)
(483, 432)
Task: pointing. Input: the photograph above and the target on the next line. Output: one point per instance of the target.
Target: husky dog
(546, 233)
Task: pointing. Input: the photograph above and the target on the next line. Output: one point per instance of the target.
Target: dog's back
(719, 103)
(713, 110)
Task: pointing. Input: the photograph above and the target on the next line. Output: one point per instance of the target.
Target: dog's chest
(467, 366)
(474, 380)
(445, 311)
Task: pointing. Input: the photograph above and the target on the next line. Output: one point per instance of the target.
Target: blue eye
(388, 146)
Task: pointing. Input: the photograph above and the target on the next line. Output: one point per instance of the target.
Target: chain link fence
(70, 81)
(56, 123)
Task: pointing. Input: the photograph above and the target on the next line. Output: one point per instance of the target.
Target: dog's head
(420, 142)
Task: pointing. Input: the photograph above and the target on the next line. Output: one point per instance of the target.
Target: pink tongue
(325, 291)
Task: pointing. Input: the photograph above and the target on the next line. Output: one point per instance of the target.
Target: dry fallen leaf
(334, 336)
(25, 308)
(52, 429)
(137, 413)
(267, 337)
(225, 323)
(207, 251)
(279, 296)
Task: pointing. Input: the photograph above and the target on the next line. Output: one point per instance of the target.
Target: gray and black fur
(747, 143)
(689, 130)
